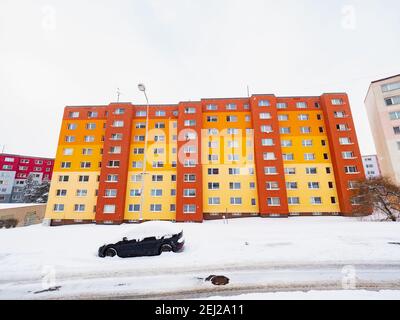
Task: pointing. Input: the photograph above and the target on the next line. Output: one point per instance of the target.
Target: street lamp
(142, 88)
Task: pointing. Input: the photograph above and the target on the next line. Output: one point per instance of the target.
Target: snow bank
(156, 229)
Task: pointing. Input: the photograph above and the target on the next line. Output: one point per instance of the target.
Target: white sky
(58, 53)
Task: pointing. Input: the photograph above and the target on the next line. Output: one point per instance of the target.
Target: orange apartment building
(262, 156)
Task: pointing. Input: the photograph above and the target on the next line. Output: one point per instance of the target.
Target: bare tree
(380, 195)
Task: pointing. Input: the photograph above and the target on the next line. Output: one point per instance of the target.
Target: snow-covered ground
(36, 256)
(18, 205)
(318, 295)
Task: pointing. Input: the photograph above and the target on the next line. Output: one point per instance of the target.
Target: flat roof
(23, 156)
(388, 78)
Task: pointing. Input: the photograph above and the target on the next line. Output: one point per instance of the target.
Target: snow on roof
(18, 205)
(156, 229)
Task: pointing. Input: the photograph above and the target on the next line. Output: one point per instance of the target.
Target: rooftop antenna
(2, 149)
(118, 94)
(248, 91)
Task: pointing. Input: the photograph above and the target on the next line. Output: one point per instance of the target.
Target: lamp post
(142, 88)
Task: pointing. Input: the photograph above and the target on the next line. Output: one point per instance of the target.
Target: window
(90, 126)
(350, 169)
(116, 136)
(212, 157)
(212, 171)
(291, 185)
(158, 164)
(283, 117)
(352, 185)
(337, 102)
(392, 101)
(158, 151)
(189, 193)
(316, 200)
(269, 156)
(155, 207)
(213, 186)
(313, 185)
(214, 201)
(159, 138)
(87, 151)
(190, 110)
(189, 208)
(311, 171)
(231, 119)
(160, 113)
(290, 171)
(286, 143)
(134, 208)
(89, 139)
(141, 125)
(109, 209)
(265, 116)
(61, 193)
(396, 130)
(64, 165)
(247, 118)
(394, 115)
(63, 178)
(281, 105)
(138, 150)
(190, 177)
(69, 139)
(68, 152)
(83, 179)
(212, 107)
(301, 105)
(156, 192)
(348, 155)
(307, 143)
(266, 129)
(390, 86)
(189, 149)
(190, 123)
(342, 127)
(234, 171)
(58, 208)
(303, 117)
(191, 136)
(140, 138)
(157, 178)
(213, 132)
(81, 192)
(305, 130)
(86, 165)
(235, 185)
(293, 201)
(264, 103)
(135, 192)
(74, 115)
(112, 178)
(267, 142)
(190, 163)
(288, 156)
(339, 114)
(272, 185)
(309, 156)
(344, 141)
(284, 130)
(79, 207)
(274, 202)
(141, 114)
(236, 201)
(270, 170)
(72, 126)
(110, 193)
(233, 131)
(160, 125)
(231, 106)
(113, 164)
(212, 119)
(330, 185)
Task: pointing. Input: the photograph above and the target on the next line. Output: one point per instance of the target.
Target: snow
(318, 295)
(18, 205)
(234, 249)
(156, 229)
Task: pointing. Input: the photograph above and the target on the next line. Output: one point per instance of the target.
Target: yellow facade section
(305, 194)
(159, 150)
(306, 146)
(229, 145)
(71, 193)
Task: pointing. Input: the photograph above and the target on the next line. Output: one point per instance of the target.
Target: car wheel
(165, 248)
(111, 252)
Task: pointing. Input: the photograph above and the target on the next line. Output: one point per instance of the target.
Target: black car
(149, 246)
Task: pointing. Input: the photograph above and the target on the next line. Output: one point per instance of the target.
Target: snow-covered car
(147, 239)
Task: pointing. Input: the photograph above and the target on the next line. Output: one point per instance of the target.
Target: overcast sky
(58, 53)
